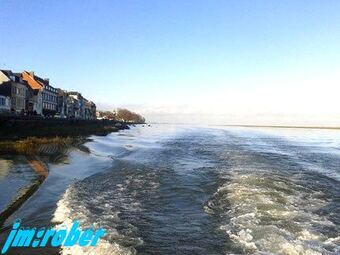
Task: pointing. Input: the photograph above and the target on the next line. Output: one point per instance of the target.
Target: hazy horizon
(217, 62)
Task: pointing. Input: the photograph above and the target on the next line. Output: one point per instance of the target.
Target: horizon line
(252, 125)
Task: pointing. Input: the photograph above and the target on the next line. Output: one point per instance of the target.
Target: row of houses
(26, 93)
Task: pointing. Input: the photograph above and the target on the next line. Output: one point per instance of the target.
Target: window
(21, 103)
(14, 90)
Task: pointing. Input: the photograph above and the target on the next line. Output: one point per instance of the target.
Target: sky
(185, 61)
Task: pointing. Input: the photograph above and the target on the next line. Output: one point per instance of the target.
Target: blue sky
(185, 61)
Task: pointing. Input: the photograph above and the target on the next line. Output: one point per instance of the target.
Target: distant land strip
(279, 126)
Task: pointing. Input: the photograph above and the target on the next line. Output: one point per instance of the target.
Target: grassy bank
(35, 145)
(35, 136)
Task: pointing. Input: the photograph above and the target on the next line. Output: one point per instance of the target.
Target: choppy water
(189, 190)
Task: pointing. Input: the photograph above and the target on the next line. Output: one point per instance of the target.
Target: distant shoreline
(287, 127)
(250, 126)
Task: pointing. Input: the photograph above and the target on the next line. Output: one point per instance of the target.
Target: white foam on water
(64, 215)
(271, 214)
(110, 201)
(103, 247)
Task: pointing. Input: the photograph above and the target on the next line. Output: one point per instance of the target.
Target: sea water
(199, 190)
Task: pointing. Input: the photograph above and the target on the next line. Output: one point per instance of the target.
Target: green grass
(31, 145)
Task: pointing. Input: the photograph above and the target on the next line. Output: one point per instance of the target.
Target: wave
(110, 201)
(267, 213)
(65, 215)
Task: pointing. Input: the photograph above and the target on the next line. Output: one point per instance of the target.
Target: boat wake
(263, 213)
(108, 201)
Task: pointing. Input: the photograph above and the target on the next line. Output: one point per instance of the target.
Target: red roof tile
(34, 84)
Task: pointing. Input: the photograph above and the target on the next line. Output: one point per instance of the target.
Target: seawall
(12, 128)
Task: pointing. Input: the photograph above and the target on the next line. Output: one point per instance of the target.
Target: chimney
(32, 73)
(47, 81)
